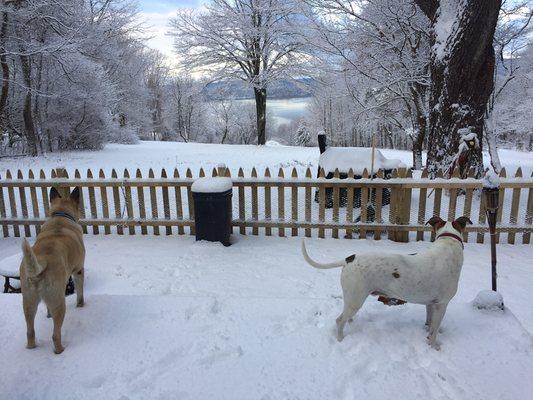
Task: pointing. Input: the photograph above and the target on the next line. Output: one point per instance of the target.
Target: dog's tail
(33, 268)
(335, 264)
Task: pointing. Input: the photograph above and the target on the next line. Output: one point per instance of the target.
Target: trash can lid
(212, 185)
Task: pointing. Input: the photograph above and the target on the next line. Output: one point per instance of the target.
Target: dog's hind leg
(437, 314)
(352, 304)
(58, 315)
(30, 303)
(78, 283)
(428, 316)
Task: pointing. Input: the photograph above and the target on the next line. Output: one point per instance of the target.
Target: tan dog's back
(57, 254)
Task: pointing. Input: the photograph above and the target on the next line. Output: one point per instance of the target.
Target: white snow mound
(10, 266)
(488, 300)
(212, 185)
(356, 158)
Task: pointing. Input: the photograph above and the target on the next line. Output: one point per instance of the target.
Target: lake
(283, 111)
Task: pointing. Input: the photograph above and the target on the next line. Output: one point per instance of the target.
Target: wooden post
(129, 203)
(467, 210)
(294, 201)
(437, 194)
(503, 174)
(140, 201)
(526, 238)
(12, 204)
(190, 202)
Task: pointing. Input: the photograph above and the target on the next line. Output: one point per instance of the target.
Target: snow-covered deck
(167, 317)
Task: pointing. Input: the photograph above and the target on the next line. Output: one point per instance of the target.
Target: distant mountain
(283, 89)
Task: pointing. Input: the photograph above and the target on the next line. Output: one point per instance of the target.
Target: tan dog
(45, 269)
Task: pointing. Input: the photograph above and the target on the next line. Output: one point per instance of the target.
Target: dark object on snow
(70, 287)
(212, 216)
(492, 199)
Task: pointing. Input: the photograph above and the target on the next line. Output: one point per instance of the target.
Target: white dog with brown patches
(428, 278)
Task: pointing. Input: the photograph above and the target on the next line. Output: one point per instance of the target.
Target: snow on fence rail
(284, 204)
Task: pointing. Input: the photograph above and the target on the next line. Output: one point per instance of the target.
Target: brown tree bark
(5, 66)
(27, 114)
(260, 108)
(461, 80)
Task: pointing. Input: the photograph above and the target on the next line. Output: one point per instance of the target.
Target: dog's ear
(460, 223)
(54, 194)
(436, 223)
(75, 195)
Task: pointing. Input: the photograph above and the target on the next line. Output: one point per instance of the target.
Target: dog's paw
(31, 346)
(434, 344)
(80, 304)
(59, 350)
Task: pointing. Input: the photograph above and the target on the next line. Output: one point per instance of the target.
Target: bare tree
(250, 40)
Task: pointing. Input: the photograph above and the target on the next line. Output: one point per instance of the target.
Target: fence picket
(141, 202)
(467, 209)
(81, 208)
(44, 194)
(378, 206)
(12, 205)
(437, 201)
(268, 204)
(5, 228)
(92, 202)
(349, 204)
(394, 197)
(281, 203)
(503, 174)
(308, 203)
(179, 207)
(482, 217)
(190, 202)
(34, 201)
(116, 201)
(422, 207)
(364, 206)
(242, 207)
(201, 174)
(321, 201)
(514, 208)
(105, 203)
(526, 237)
(166, 203)
(23, 204)
(153, 202)
(453, 197)
(129, 203)
(294, 202)
(255, 206)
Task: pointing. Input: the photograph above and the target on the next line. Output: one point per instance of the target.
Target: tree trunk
(27, 114)
(462, 71)
(418, 143)
(5, 66)
(260, 108)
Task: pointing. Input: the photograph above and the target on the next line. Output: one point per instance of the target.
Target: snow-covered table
(9, 269)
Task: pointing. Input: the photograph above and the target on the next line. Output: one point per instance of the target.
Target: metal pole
(492, 229)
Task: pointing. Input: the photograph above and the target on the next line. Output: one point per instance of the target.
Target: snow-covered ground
(168, 317)
(172, 155)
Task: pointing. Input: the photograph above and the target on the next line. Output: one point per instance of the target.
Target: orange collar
(452, 235)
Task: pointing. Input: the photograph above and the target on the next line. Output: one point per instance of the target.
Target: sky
(157, 15)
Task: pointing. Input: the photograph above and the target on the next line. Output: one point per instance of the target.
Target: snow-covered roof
(356, 158)
(10, 266)
(211, 185)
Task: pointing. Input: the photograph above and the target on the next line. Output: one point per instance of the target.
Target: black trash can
(212, 209)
